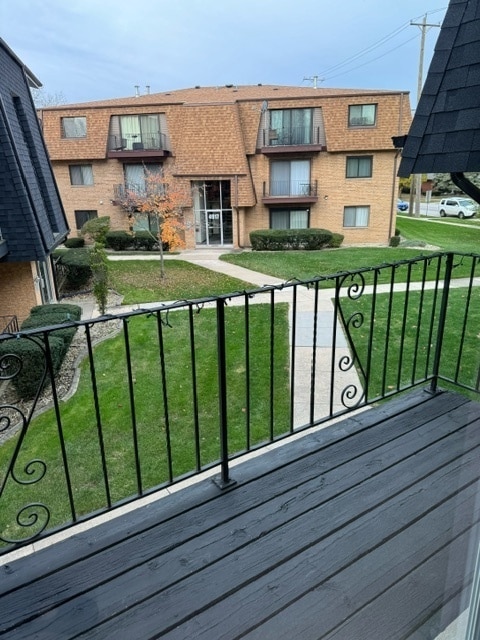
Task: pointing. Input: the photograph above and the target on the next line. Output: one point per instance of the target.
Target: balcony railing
(132, 190)
(291, 136)
(8, 324)
(289, 189)
(137, 143)
(184, 387)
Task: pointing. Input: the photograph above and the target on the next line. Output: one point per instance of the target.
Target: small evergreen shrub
(290, 239)
(394, 241)
(70, 311)
(336, 241)
(74, 243)
(77, 265)
(119, 240)
(144, 241)
(32, 358)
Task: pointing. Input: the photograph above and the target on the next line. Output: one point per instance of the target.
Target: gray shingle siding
(32, 219)
(444, 132)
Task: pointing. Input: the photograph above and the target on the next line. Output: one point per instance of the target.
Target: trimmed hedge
(119, 240)
(288, 239)
(336, 241)
(144, 241)
(27, 381)
(30, 353)
(394, 241)
(74, 243)
(77, 265)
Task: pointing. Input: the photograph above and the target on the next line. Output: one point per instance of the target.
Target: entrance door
(213, 213)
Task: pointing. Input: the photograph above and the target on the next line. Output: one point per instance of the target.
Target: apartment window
(359, 167)
(362, 115)
(356, 216)
(74, 127)
(290, 178)
(291, 126)
(83, 216)
(289, 218)
(136, 176)
(81, 175)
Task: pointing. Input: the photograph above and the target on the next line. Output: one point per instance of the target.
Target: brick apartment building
(250, 157)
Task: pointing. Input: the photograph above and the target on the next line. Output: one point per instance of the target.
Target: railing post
(441, 323)
(223, 481)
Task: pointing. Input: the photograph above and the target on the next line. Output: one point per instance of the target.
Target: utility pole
(315, 80)
(417, 178)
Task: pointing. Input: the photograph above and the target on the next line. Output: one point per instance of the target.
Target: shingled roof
(445, 132)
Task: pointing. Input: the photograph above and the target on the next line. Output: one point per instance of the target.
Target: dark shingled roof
(445, 132)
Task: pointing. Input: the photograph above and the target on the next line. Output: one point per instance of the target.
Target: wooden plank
(292, 548)
(305, 457)
(318, 592)
(300, 499)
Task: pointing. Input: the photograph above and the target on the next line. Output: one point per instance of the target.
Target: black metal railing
(137, 142)
(133, 190)
(8, 324)
(291, 136)
(290, 189)
(171, 390)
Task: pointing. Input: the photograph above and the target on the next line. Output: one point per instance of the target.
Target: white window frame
(359, 213)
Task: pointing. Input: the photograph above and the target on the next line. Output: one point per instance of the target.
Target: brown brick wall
(17, 291)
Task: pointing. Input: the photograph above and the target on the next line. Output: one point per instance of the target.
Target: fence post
(441, 323)
(223, 481)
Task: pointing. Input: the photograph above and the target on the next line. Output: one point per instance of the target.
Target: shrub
(144, 241)
(70, 311)
(394, 241)
(336, 241)
(30, 354)
(119, 240)
(286, 239)
(96, 229)
(74, 243)
(77, 265)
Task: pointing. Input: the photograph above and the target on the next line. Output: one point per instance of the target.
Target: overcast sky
(96, 49)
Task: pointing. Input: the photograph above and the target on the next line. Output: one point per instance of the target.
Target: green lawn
(139, 281)
(448, 237)
(154, 432)
(394, 339)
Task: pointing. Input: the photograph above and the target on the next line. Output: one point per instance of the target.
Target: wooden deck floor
(363, 530)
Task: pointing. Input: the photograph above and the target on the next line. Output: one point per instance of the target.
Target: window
(81, 175)
(290, 178)
(82, 216)
(74, 127)
(356, 216)
(289, 218)
(362, 115)
(359, 166)
(291, 126)
(136, 174)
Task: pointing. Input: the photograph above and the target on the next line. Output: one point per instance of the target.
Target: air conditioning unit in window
(272, 134)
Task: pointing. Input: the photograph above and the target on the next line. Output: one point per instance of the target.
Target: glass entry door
(213, 213)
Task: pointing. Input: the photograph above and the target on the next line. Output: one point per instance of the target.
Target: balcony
(130, 146)
(324, 520)
(290, 192)
(291, 140)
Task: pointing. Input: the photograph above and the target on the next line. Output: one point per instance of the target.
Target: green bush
(144, 241)
(336, 241)
(77, 264)
(119, 240)
(70, 311)
(30, 354)
(287, 239)
(394, 241)
(74, 243)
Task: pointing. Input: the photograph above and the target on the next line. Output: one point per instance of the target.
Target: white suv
(460, 207)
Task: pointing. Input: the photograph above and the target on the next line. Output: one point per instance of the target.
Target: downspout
(395, 169)
(466, 186)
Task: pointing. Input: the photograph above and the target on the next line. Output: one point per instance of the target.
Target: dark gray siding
(445, 133)
(32, 219)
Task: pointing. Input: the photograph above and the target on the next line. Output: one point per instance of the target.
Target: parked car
(402, 205)
(460, 207)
